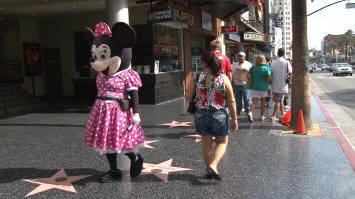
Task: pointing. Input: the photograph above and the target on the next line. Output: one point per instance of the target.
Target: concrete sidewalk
(260, 162)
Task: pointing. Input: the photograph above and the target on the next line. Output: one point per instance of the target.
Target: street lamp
(347, 6)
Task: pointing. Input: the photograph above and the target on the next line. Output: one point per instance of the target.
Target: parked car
(325, 67)
(342, 68)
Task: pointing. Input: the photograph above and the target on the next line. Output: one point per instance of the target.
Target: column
(117, 10)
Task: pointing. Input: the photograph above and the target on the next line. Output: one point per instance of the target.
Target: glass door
(197, 46)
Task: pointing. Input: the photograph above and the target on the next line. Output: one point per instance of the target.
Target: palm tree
(301, 90)
(347, 39)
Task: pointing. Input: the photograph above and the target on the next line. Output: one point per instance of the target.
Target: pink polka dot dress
(106, 129)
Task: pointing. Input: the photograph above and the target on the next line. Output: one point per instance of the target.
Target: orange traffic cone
(300, 124)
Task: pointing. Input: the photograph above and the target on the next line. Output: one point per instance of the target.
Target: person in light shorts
(260, 76)
(278, 97)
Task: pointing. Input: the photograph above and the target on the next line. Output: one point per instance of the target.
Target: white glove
(136, 118)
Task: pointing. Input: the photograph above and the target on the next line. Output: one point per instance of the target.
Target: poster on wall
(32, 59)
(206, 20)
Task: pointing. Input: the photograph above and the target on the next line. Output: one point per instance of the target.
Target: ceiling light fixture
(1, 8)
(33, 14)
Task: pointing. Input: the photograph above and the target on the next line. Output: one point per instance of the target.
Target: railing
(11, 69)
(4, 93)
(10, 74)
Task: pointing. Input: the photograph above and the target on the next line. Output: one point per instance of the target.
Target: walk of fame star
(197, 137)
(162, 170)
(177, 124)
(146, 144)
(60, 181)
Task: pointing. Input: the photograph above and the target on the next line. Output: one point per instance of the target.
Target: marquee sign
(250, 36)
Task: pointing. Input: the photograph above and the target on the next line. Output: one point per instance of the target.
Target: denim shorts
(212, 122)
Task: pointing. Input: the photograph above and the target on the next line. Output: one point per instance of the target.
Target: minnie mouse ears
(122, 33)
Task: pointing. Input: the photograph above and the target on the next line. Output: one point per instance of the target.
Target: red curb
(344, 143)
(325, 112)
(347, 148)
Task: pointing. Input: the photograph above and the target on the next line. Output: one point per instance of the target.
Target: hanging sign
(250, 36)
(229, 29)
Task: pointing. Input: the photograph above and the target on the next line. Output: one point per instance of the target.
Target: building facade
(51, 35)
(282, 18)
(334, 48)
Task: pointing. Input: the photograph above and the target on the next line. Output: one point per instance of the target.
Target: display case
(158, 58)
(158, 49)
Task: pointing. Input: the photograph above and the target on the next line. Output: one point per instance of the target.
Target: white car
(342, 68)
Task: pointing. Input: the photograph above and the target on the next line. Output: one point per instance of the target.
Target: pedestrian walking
(259, 76)
(213, 93)
(281, 72)
(268, 64)
(216, 47)
(240, 79)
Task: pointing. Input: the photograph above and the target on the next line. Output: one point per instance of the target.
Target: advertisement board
(32, 59)
(206, 20)
(229, 29)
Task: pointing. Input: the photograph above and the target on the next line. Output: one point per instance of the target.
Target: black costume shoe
(110, 176)
(136, 166)
(214, 174)
(208, 176)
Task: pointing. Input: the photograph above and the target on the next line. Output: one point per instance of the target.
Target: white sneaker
(274, 119)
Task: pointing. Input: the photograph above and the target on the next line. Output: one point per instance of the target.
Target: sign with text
(229, 29)
(163, 12)
(250, 36)
(160, 15)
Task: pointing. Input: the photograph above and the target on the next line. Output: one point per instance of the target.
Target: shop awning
(221, 8)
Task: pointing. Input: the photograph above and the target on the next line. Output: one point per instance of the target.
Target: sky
(332, 20)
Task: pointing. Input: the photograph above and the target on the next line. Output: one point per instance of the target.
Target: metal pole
(324, 7)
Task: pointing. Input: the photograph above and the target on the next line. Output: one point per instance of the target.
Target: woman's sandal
(213, 174)
(208, 176)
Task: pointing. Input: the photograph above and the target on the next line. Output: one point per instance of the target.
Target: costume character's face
(111, 51)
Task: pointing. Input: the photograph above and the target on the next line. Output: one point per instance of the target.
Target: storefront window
(167, 47)
(197, 46)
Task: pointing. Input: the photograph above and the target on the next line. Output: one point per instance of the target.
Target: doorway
(53, 70)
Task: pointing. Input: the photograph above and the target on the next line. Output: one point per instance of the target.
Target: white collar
(115, 74)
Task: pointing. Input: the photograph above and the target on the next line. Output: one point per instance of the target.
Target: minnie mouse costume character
(114, 122)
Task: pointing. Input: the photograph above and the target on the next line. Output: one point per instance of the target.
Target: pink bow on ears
(102, 29)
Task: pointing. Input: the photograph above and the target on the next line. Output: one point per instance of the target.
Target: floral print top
(210, 91)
